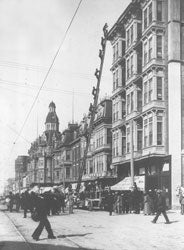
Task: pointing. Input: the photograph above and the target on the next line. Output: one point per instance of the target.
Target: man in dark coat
(17, 201)
(161, 207)
(40, 205)
(110, 202)
(26, 203)
(11, 199)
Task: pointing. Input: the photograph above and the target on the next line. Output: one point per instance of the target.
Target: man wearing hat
(41, 207)
(161, 207)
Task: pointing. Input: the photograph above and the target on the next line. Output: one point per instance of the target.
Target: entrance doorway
(151, 182)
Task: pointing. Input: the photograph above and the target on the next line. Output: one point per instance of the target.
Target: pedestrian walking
(161, 207)
(63, 202)
(181, 199)
(136, 199)
(40, 206)
(119, 203)
(125, 199)
(110, 202)
(153, 198)
(70, 202)
(26, 203)
(147, 204)
(11, 201)
(17, 202)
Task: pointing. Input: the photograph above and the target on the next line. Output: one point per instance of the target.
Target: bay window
(128, 104)
(150, 48)
(123, 141)
(159, 10)
(159, 46)
(114, 53)
(139, 100)
(131, 65)
(115, 143)
(145, 53)
(145, 19)
(145, 92)
(145, 133)
(159, 88)
(150, 13)
(128, 140)
(128, 68)
(128, 38)
(114, 81)
(159, 130)
(150, 90)
(139, 135)
(150, 131)
(132, 101)
(131, 34)
(116, 78)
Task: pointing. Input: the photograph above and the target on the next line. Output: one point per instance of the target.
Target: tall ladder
(93, 107)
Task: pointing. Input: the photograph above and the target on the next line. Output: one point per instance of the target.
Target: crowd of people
(54, 202)
(44, 204)
(153, 202)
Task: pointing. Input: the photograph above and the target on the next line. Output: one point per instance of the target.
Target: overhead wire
(37, 68)
(33, 86)
(16, 132)
(45, 78)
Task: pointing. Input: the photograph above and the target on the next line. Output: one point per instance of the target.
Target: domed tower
(52, 121)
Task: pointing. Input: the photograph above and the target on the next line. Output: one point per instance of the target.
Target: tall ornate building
(41, 151)
(65, 157)
(147, 69)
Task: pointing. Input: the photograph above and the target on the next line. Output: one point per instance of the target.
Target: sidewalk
(11, 239)
(9, 235)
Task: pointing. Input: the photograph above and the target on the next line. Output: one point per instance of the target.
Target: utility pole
(19, 179)
(132, 153)
(45, 167)
(93, 107)
(63, 175)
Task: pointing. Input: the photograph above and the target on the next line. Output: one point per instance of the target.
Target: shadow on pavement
(13, 245)
(71, 235)
(174, 221)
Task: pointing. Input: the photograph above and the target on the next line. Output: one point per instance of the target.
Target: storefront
(157, 172)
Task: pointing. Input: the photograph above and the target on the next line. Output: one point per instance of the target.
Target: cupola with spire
(52, 121)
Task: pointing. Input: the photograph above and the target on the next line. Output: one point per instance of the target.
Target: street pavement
(98, 230)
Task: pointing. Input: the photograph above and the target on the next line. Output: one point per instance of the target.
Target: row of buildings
(141, 127)
(55, 158)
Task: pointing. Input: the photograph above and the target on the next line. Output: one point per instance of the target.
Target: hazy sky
(30, 34)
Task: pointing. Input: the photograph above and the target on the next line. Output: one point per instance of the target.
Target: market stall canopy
(125, 184)
(35, 189)
(45, 189)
